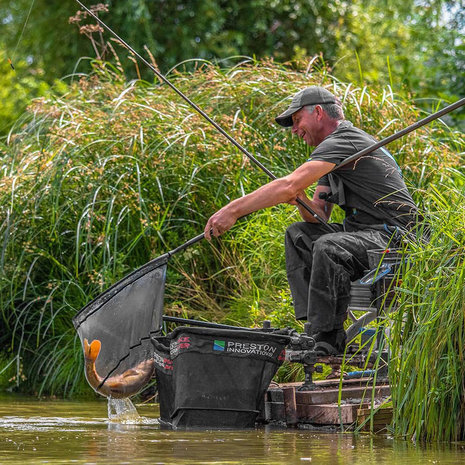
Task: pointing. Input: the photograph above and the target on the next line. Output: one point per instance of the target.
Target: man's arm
(282, 190)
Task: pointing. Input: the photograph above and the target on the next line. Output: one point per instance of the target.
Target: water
(57, 432)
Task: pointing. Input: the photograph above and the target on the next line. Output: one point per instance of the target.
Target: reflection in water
(57, 432)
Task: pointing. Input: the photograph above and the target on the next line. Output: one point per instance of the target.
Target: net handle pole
(186, 244)
(402, 133)
(202, 324)
(315, 215)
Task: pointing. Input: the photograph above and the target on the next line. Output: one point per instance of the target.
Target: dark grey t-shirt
(371, 190)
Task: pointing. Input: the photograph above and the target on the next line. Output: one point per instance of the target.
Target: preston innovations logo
(252, 348)
(218, 345)
(245, 348)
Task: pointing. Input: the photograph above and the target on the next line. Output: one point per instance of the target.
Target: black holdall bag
(219, 376)
(164, 376)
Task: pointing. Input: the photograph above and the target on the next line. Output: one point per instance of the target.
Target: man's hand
(302, 196)
(219, 223)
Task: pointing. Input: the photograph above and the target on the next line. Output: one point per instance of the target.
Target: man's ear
(319, 112)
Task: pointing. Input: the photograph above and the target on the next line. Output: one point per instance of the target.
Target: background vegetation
(416, 46)
(103, 173)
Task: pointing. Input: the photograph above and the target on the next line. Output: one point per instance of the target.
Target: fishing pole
(202, 113)
(402, 132)
(361, 153)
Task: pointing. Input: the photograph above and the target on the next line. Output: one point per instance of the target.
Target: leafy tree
(17, 87)
(178, 30)
(415, 45)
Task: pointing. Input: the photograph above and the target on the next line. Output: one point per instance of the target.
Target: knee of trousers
(299, 229)
(326, 246)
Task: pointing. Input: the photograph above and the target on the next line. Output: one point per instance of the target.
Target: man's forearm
(282, 190)
(269, 195)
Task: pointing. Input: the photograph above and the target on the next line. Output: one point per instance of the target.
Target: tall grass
(427, 369)
(98, 181)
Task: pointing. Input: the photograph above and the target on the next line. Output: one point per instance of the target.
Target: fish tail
(92, 350)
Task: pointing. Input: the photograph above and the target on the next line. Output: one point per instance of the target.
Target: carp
(118, 386)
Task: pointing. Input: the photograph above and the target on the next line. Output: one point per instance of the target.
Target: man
(371, 191)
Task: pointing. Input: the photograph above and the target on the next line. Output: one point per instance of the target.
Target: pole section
(402, 132)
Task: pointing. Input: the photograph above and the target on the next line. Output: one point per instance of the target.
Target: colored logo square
(218, 345)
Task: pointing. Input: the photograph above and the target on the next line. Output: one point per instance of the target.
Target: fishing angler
(378, 208)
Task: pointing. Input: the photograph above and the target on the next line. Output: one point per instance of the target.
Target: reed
(96, 182)
(427, 368)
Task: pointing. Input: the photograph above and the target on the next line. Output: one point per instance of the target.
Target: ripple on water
(120, 412)
(48, 423)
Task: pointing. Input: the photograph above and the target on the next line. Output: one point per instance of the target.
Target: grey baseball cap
(309, 96)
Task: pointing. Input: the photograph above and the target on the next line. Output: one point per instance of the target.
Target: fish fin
(92, 350)
(130, 372)
(113, 384)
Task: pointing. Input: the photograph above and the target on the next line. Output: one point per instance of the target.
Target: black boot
(331, 342)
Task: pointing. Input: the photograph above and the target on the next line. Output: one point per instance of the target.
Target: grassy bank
(99, 181)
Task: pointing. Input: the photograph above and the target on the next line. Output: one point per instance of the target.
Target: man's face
(306, 126)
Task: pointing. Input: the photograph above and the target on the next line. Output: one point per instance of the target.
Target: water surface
(57, 432)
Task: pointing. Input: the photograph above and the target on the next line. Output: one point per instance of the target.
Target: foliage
(17, 88)
(427, 369)
(98, 181)
(205, 29)
(416, 46)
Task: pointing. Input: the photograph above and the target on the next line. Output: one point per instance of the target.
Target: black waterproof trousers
(320, 267)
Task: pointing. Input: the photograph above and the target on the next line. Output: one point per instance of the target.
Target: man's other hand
(219, 223)
(302, 196)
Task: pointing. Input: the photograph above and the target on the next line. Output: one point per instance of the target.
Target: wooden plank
(329, 382)
(328, 396)
(327, 414)
(381, 418)
(320, 407)
(290, 407)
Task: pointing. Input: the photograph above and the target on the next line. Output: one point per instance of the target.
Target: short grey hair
(333, 110)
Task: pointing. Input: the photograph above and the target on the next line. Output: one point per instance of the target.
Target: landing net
(122, 319)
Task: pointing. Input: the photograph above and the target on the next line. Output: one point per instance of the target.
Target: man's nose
(294, 128)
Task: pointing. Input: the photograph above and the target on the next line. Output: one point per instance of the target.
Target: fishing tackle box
(215, 378)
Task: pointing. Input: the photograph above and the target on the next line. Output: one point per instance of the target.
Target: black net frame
(123, 319)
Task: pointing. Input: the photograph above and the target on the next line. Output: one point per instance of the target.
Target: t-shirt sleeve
(323, 181)
(333, 150)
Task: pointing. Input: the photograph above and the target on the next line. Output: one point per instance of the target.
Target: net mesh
(115, 330)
